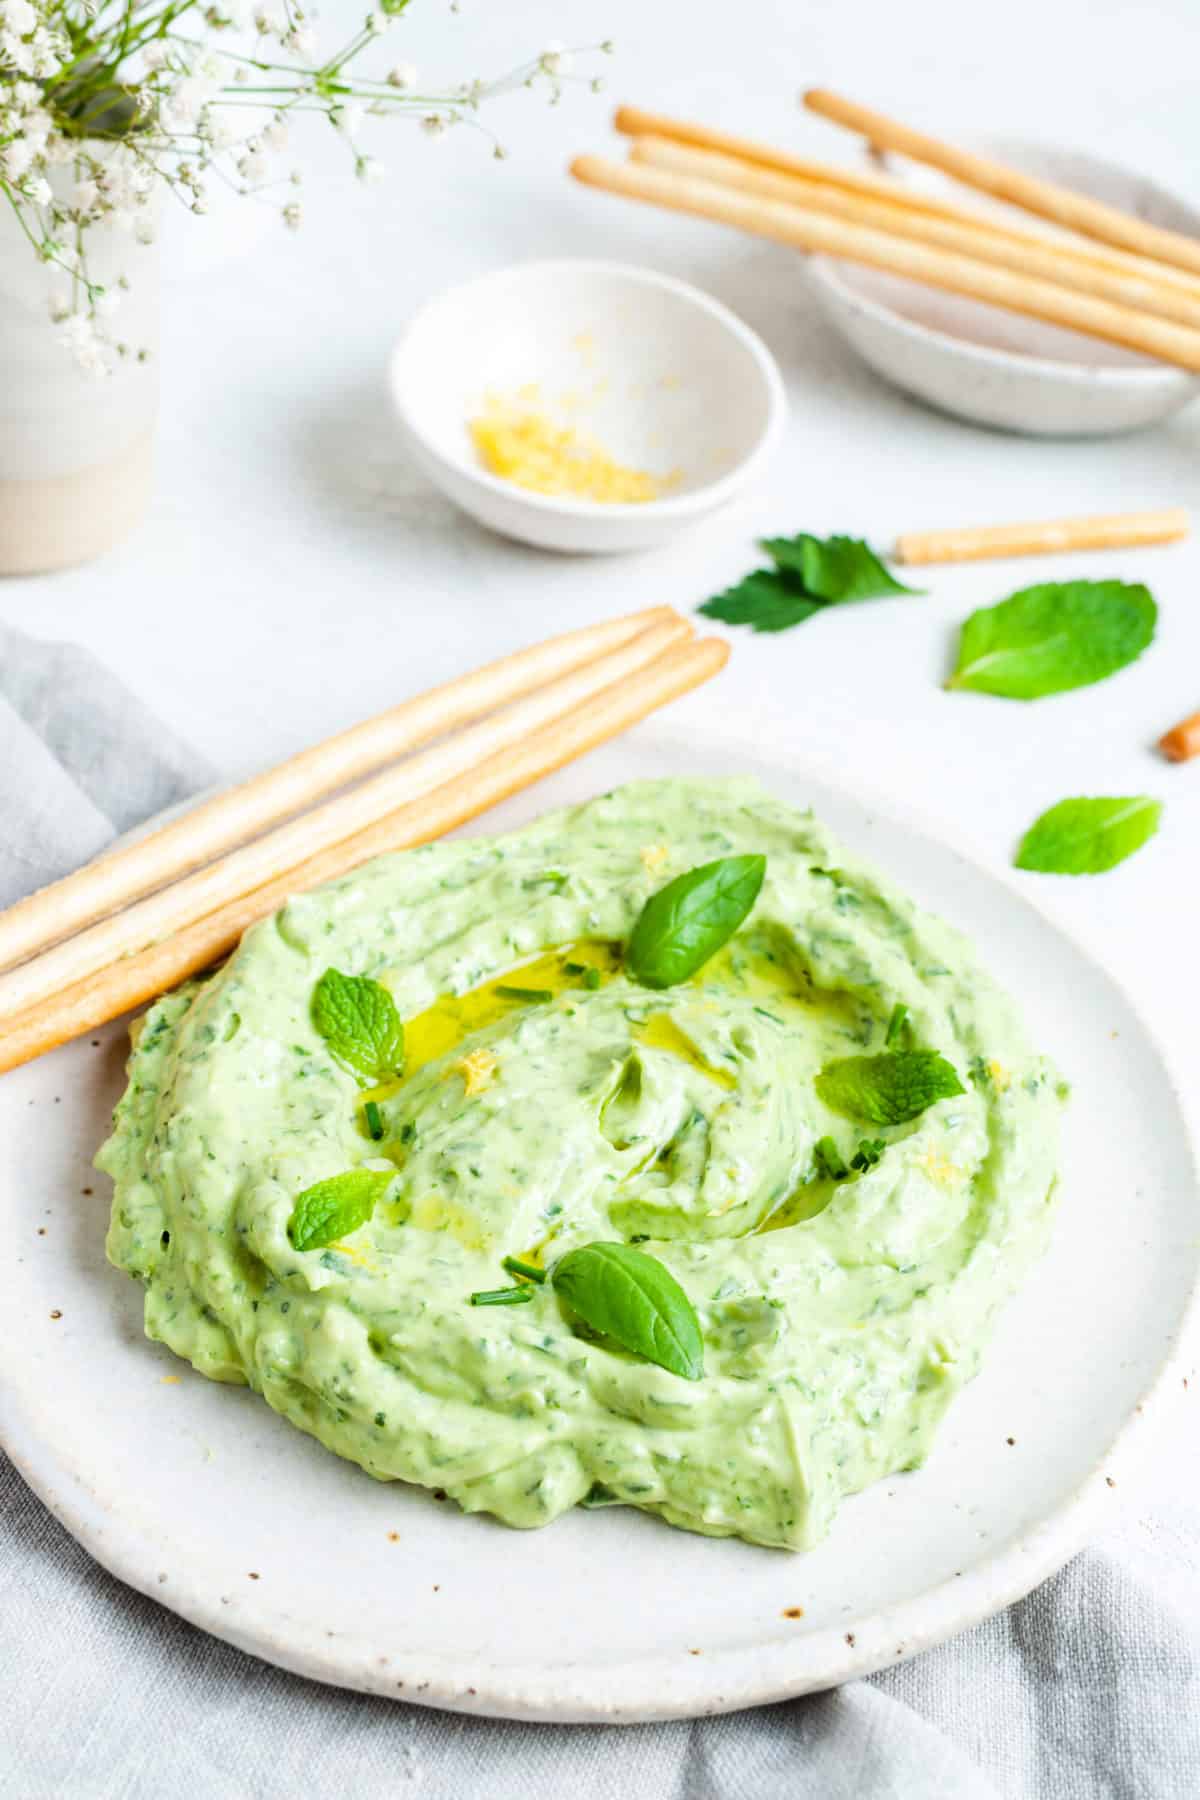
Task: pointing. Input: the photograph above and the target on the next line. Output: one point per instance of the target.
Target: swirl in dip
(839, 1316)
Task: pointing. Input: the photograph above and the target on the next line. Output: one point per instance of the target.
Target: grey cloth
(82, 760)
(1090, 1688)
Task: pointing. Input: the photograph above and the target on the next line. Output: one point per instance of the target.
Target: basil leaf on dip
(687, 921)
(631, 1297)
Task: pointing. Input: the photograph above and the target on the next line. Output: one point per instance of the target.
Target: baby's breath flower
(20, 17)
(556, 59)
(348, 120)
(174, 111)
(18, 158)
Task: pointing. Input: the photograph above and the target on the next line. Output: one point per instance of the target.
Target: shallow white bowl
(660, 375)
(998, 368)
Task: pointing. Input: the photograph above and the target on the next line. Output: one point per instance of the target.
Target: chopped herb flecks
(530, 1271)
(509, 1296)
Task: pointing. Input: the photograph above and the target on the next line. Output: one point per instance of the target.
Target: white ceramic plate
(201, 1497)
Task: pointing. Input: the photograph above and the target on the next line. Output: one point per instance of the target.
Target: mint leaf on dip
(687, 921)
(357, 1018)
(634, 1299)
(332, 1208)
(1054, 637)
(889, 1089)
(1088, 836)
(834, 569)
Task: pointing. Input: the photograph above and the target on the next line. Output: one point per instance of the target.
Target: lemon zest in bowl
(524, 446)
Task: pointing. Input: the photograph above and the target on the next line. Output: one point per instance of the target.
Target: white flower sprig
(104, 101)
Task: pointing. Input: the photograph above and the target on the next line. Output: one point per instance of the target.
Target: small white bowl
(998, 368)
(662, 377)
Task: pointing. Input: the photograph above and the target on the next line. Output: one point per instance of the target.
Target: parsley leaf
(1054, 637)
(809, 573)
(766, 600)
(357, 1017)
(1087, 836)
(330, 1209)
(834, 569)
(889, 1089)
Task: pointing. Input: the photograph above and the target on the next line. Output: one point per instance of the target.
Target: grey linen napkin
(1090, 1688)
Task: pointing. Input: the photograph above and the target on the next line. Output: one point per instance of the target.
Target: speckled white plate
(200, 1496)
(995, 367)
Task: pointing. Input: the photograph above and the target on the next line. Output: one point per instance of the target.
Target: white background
(296, 574)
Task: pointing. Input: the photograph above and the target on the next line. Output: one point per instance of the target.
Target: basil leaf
(357, 1017)
(631, 1297)
(835, 569)
(1054, 637)
(331, 1208)
(687, 921)
(888, 1089)
(1087, 836)
(766, 600)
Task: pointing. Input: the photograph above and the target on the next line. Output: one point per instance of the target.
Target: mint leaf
(357, 1017)
(1087, 836)
(330, 1209)
(625, 1294)
(889, 1089)
(766, 600)
(1054, 637)
(834, 569)
(687, 921)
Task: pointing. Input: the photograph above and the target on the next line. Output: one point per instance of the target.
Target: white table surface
(296, 574)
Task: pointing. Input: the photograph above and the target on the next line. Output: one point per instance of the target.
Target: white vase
(76, 449)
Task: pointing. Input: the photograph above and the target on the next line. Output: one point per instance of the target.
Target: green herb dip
(839, 1317)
